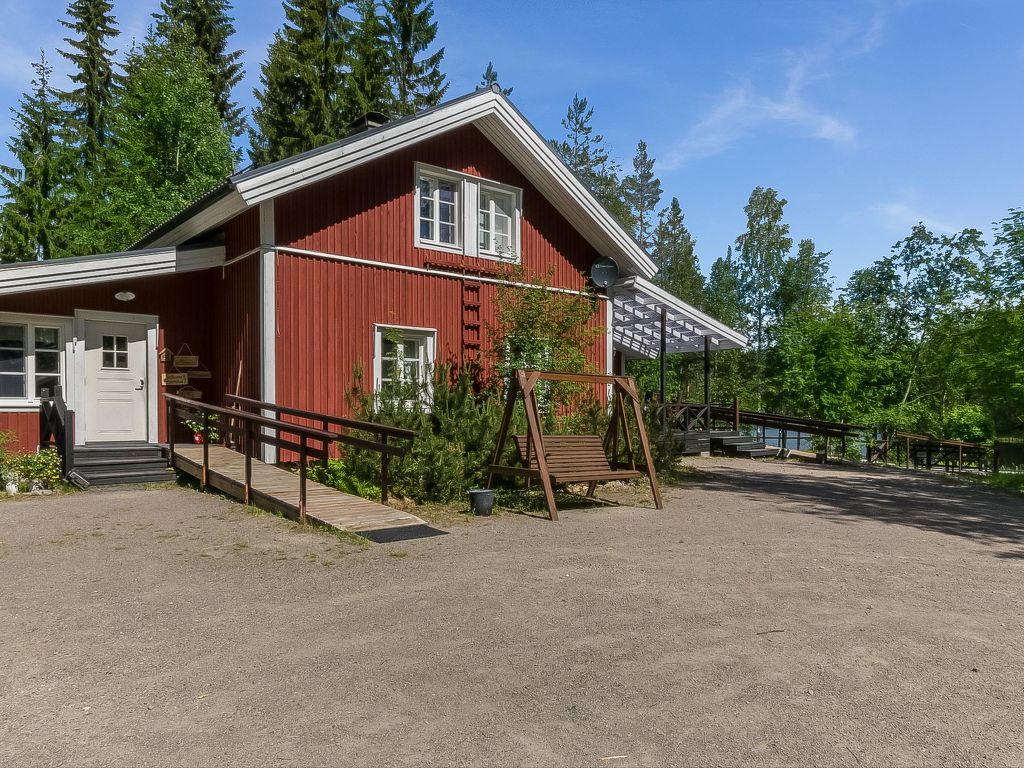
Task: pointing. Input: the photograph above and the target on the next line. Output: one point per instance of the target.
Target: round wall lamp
(124, 295)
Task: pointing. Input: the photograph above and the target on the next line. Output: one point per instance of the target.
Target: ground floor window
(403, 361)
(31, 357)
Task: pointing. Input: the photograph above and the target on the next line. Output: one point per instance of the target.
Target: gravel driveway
(772, 614)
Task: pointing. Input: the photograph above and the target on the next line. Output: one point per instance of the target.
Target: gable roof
(493, 115)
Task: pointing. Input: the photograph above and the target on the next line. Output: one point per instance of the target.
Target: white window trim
(514, 227)
(30, 402)
(468, 212)
(429, 335)
(460, 213)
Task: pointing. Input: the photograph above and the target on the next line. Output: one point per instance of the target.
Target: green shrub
(337, 475)
(29, 469)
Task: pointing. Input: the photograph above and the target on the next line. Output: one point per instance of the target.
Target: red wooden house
(384, 249)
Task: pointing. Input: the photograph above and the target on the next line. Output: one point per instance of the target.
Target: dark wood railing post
(247, 452)
(385, 466)
(302, 479)
(736, 413)
(170, 431)
(206, 448)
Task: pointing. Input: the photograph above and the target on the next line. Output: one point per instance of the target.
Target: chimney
(367, 122)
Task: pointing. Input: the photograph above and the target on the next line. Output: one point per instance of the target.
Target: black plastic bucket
(481, 501)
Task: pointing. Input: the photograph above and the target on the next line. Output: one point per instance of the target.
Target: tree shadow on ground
(844, 494)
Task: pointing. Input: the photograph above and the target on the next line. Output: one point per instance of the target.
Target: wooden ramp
(277, 490)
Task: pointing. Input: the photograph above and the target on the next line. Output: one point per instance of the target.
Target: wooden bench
(575, 459)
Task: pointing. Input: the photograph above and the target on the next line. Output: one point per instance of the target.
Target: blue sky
(866, 116)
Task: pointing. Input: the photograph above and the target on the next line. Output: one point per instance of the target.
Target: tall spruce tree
(673, 251)
(302, 102)
(30, 218)
(172, 145)
(642, 191)
(212, 26)
(584, 152)
(409, 31)
(92, 25)
(369, 88)
(490, 78)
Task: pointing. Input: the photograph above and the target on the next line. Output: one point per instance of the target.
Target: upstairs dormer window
(464, 214)
(438, 210)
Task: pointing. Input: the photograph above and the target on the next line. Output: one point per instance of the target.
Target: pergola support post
(664, 366)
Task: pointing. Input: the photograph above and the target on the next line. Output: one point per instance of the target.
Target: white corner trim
(268, 316)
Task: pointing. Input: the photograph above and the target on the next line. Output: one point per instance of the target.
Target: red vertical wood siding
(215, 312)
(326, 310)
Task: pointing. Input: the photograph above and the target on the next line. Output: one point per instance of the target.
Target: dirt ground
(772, 614)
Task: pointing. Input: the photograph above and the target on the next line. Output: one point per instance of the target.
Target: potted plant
(200, 434)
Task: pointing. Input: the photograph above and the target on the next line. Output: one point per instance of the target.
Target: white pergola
(638, 310)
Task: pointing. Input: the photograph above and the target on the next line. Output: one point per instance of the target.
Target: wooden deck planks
(277, 489)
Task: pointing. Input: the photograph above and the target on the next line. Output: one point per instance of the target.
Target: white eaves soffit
(636, 322)
(25, 277)
(494, 115)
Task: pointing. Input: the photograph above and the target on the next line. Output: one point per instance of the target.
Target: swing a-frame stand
(559, 459)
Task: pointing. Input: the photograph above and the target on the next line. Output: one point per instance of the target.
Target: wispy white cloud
(901, 215)
(740, 110)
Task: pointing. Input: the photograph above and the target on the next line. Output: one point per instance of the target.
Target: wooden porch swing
(559, 459)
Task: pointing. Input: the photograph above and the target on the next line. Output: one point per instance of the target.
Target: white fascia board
(216, 214)
(61, 273)
(716, 328)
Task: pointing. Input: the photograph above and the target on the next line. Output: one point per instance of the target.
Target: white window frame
(513, 224)
(437, 174)
(467, 199)
(64, 348)
(429, 339)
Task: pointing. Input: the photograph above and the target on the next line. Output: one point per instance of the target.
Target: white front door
(116, 381)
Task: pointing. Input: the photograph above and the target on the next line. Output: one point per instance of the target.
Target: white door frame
(152, 323)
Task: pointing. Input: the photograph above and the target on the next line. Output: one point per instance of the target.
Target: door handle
(142, 385)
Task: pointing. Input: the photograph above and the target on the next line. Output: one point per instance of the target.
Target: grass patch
(398, 554)
(1003, 482)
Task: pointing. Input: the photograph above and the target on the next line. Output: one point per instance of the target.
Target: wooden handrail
(364, 426)
(57, 424)
(266, 421)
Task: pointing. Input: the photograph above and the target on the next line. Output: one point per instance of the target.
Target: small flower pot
(197, 438)
(12, 489)
(481, 501)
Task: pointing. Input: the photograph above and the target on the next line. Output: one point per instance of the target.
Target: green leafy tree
(490, 78)
(30, 220)
(725, 303)
(761, 249)
(369, 88)
(584, 152)
(172, 144)
(803, 284)
(92, 25)
(302, 102)
(211, 26)
(642, 192)
(416, 78)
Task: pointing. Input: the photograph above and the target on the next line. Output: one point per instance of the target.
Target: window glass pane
(412, 372)
(121, 360)
(12, 336)
(108, 359)
(388, 348)
(446, 192)
(47, 362)
(426, 208)
(46, 382)
(121, 343)
(387, 369)
(108, 343)
(12, 386)
(426, 229)
(12, 361)
(485, 240)
(501, 224)
(447, 233)
(446, 213)
(47, 338)
(502, 244)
